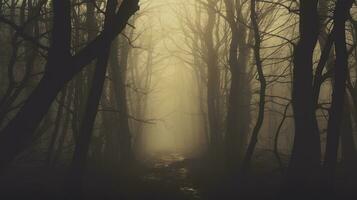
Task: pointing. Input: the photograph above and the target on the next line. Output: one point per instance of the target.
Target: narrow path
(169, 178)
(160, 177)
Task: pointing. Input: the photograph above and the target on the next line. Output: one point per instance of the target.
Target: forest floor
(162, 176)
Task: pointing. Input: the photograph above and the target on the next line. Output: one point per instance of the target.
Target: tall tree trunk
(263, 84)
(119, 68)
(338, 96)
(212, 83)
(83, 141)
(348, 148)
(79, 162)
(238, 110)
(305, 158)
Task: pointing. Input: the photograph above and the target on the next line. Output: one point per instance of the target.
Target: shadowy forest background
(178, 99)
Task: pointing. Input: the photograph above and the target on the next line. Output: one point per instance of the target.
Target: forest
(178, 99)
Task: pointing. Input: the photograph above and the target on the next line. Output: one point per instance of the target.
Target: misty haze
(178, 99)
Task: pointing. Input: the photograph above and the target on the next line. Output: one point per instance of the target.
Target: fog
(173, 98)
(178, 99)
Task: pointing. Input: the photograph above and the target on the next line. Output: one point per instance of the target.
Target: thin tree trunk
(338, 95)
(348, 146)
(212, 83)
(56, 130)
(263, 84)
(65, 129)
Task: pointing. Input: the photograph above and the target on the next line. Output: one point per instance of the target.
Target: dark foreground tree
(304, 163)
(79, 161)
(336, 116)
(61, 67)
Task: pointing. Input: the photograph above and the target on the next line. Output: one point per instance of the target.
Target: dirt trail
(171, 177)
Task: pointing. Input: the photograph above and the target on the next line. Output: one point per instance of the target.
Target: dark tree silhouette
(16, 136)
(305, 158)
(341, 15)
